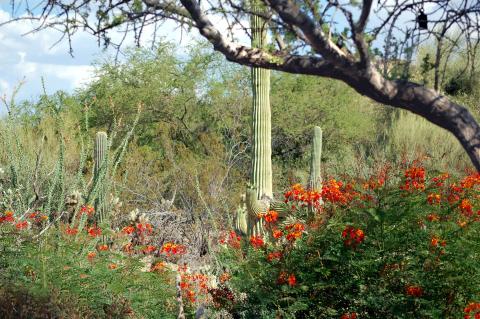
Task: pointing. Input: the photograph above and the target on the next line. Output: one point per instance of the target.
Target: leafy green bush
(389, 247)
(68, 273)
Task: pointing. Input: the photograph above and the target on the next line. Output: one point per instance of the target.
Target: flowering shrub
(393, 246)
(99, 277)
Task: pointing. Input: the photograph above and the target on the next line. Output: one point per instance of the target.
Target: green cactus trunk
(261, 178)
(315, 179)
(100, 157)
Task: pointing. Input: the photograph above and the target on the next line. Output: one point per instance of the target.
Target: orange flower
(21, 225)
(271, 216)
(351, 315)
(414, 179)
(256, 241)
(158, 267)
(91, 255)
(274, 255)
(433, 217)
(434, 241)
(128, 230)
(191, 295)
(466, 207)
(102, 247)
(112, 266)
(149, 249)
(225, 277)
(434, 198)
(294, 231)
(277, 233)
(462, 223)
(147, 228)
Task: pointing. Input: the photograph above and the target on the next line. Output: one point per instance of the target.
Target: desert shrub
(392, 246)
(44, 269)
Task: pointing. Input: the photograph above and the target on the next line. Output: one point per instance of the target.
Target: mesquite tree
(324, 38)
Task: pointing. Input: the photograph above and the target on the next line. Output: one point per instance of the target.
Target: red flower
(71, 231)
(277, 233)
(274, 255)
(414, 291)
(351, 315)
(233, 239)
(256, 241)
(271, 216)
(149, 249)
(466, 208)
(414, 179)
(292, 281)
(472, 307)
(433, 199)
(102, 248)
(7, 217)
(87, 209)
(21, 225)
(128, 230)
(91, 255)
(172, 249)
(94, 231)
(352, 236)
(294, 231)
(33, 215)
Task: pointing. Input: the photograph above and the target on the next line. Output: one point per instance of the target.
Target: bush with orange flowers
(406, 248)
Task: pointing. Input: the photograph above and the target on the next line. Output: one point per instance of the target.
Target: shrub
(402, 246)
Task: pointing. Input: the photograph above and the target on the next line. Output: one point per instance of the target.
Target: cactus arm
(315, 179)
(100, 158)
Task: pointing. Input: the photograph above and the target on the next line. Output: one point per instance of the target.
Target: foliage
(394, 247)
(66, 264)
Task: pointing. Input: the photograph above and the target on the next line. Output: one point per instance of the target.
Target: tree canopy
(333, 39)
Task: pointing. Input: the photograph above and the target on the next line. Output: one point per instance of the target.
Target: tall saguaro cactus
(315, 179)
(100, 158)
(261, 178)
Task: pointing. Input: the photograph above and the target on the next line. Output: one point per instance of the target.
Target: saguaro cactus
(315, 179)
(261, 178)
(100, 158)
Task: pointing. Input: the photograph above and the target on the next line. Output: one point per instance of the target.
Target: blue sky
(28, 58)
(31, 57)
